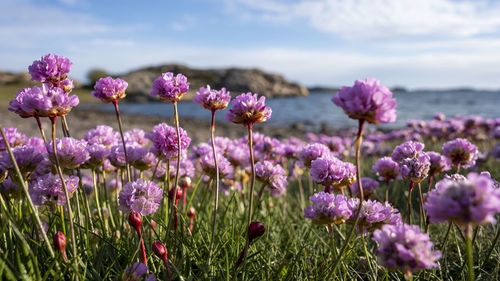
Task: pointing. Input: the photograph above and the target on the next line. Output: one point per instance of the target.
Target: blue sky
(417, 44)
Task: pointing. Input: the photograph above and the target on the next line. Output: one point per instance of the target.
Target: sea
(317, 110)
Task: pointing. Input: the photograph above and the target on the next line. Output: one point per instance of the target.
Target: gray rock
(236, 80)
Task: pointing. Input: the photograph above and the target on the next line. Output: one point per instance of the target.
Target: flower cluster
(367, 100)
(405, 248)
(472, 200)
(48, 190)
(247, 109)
(461, 152)
(273, 175)
(109, 89)
(212, 99)
(165, 142)
(170, 87)
(141, 196)
(328, 209)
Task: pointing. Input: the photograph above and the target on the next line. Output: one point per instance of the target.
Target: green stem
(250, 203)
(26, 194)
(66, 194)
(98, 203)
(409, 201)
(423, 216)
(359, 140)
(117, 111)
(368, 261)
(216, 189)
(470, 261)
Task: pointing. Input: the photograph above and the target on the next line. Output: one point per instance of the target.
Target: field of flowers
(418, 203)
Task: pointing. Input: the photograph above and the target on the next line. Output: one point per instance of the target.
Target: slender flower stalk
(470, 260)
(252, 187)
(410, 189)
(179, 148)
(359, 140)
(27, 195)
(98, 203)
(40, 127)
(66, 194)
(117, 111)
(216, 199)
(135, 220)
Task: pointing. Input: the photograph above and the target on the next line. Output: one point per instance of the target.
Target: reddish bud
(172, 193)
(159, 249)
(153, 224)
(60, 242)
(135, 220)
(191, 212)
(185, 182)
(255, 230)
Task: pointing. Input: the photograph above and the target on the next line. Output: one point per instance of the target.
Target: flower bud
(185, 182)
(191, 212)
(135, 220)
(60, 242)
(153, 224)
(159, 249)
(172, 193)
(255, 230)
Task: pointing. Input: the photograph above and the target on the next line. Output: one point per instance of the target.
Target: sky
(415, 44)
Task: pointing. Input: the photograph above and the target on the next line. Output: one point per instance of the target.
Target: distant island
(236, 80)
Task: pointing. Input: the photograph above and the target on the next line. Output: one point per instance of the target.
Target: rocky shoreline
(81, 120)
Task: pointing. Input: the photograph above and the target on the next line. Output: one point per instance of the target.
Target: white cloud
(376, 19)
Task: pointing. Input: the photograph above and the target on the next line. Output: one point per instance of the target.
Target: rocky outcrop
(235, 80)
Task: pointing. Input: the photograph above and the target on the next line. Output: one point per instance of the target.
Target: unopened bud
(153, 224)
(60, 242)
(185, 182)
(159, 249)
(173, 193)
(135, 220)
(255, 230)
(191, 212)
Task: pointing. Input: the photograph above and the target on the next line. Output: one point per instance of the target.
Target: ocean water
(317, 110)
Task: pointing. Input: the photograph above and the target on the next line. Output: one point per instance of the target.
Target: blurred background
(436, 55)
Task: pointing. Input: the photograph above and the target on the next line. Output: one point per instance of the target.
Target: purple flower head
(18, 104)
(247, 109)
(109, 89)
(292, 147)
(335, 144)
(327, 209)
(404, 247)
(461, 152)
(50, 68)
(273, 175)
(102, 134)
(367, 100)
(212, 99)
(27, 158)
(9, 188)
(208, 166)
(97, 155)
(238, 154)
(386, 169)
(47, 189)
(136, 272)
(141, 196)
(117, 156)
(369, 186)
(439, 163)
(38, 144)
(136, 137)
(48, 101)
(415, 169)
(164, 140)
(14, 138)
(140, 157)
(327, 170)
(71, 152)
(312, 152)
(170, 88)
(374, 215)
(472, 200)
(408, 149)
(186, 168)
